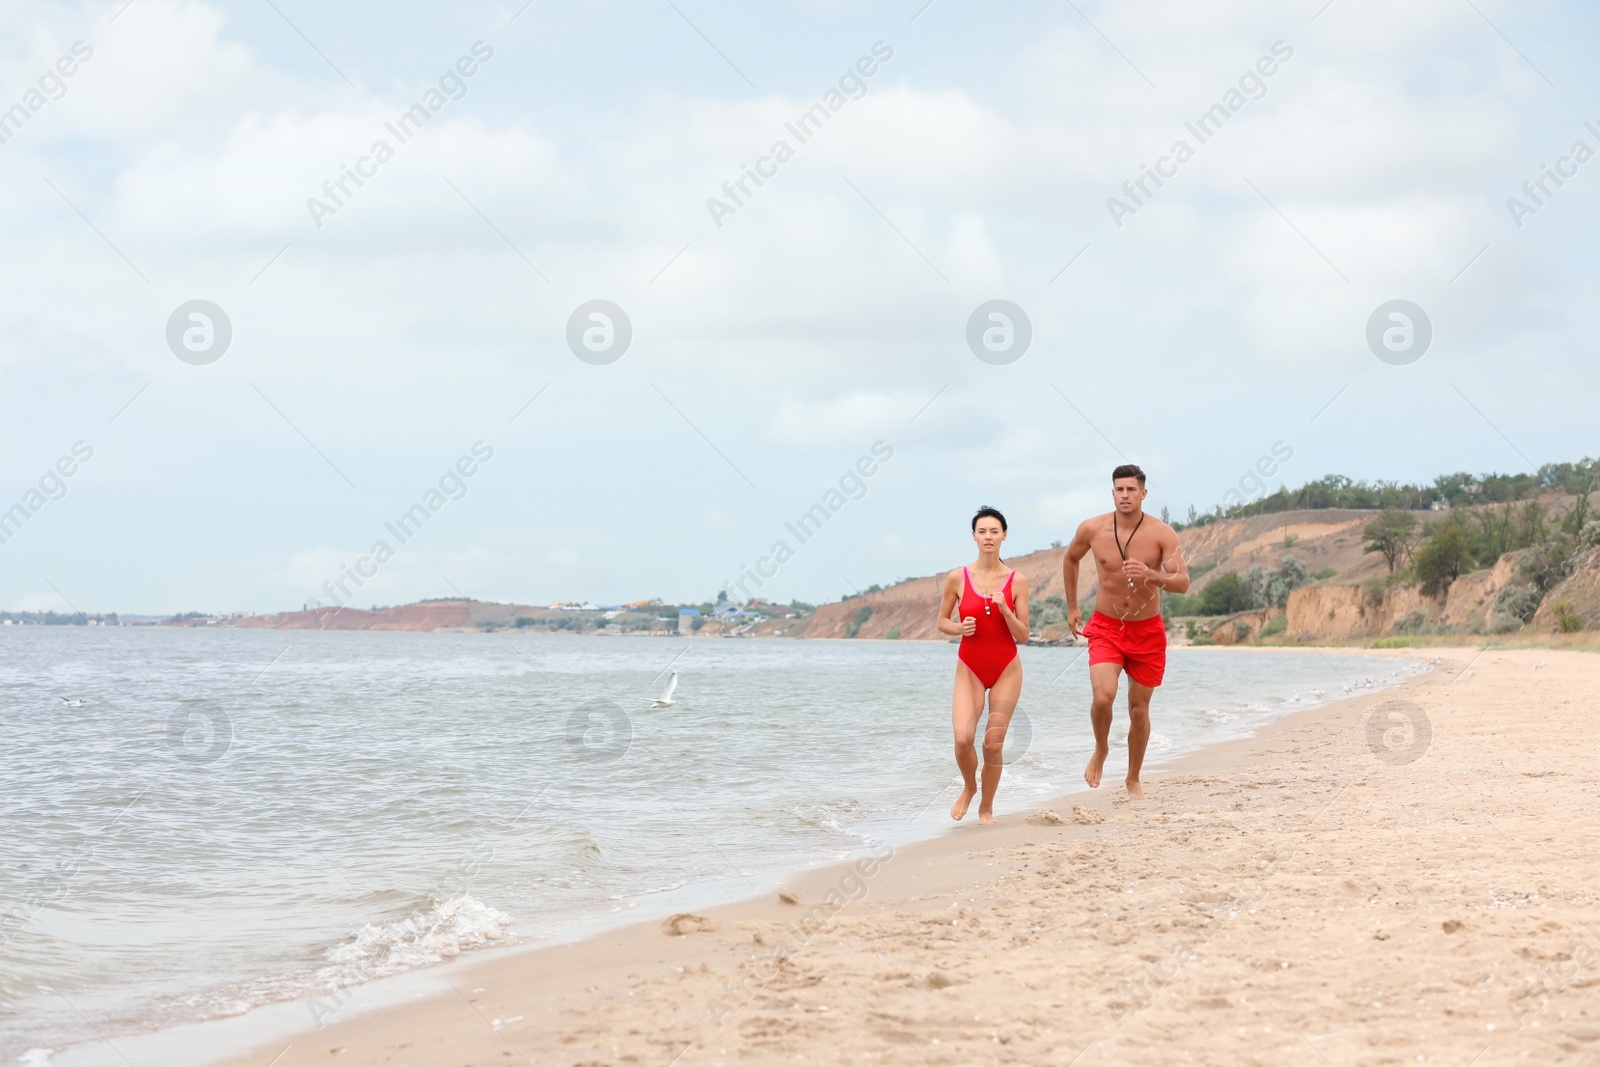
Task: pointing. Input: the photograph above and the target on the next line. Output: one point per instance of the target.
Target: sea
(239, 818)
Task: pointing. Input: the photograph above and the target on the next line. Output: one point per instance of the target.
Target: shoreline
(910, 872)
(534, 992)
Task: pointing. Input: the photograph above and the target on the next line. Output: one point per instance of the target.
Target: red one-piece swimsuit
(988, 650)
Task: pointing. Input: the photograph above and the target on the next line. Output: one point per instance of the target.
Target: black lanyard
(1118, 539)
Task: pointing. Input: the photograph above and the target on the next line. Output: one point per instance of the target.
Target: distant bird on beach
(1539, 665)
(73, 703)
(665, 699)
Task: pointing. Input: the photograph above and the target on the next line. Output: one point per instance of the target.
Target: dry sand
(1341, 889)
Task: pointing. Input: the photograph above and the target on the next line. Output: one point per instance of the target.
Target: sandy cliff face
(912, 607)
(1582, 591)
(1345, 612)
(1472, 596)
(1321, 539)
(1330, 613)
(423, 617)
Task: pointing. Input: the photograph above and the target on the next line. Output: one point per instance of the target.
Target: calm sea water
(240, 817)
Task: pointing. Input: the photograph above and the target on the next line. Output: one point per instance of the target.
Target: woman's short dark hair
(986, 512)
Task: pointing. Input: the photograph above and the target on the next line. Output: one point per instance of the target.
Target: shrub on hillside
(1050, 611)
(1415, 622)
(861, 617)
(1513, 607)
(1225, 595)
(1177, 605)
(1272, 588)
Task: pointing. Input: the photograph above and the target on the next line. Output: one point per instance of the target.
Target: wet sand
(1410, 876)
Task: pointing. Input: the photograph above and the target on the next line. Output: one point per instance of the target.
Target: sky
(823, 337)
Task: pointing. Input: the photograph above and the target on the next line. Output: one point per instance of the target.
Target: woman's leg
(1002, 704)
(965, 707)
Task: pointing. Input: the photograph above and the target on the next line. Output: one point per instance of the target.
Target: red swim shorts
(1140, 647)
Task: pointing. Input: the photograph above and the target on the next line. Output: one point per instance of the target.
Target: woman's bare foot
(958, 810)
(1097, 762)
(1134, 790)
(986, 816)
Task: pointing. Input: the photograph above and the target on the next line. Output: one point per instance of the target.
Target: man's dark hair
(986, 512)
(1129, 470)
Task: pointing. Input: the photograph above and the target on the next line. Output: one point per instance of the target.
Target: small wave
(36, 1057)
(817, 817)
(440, 932)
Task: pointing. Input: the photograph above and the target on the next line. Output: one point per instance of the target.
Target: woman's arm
(947, 604)
(1016, 621)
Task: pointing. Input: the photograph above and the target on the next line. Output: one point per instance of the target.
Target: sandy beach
(1402, 877)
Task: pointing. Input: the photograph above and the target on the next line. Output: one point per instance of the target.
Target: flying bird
(665, 699)
(75, 703)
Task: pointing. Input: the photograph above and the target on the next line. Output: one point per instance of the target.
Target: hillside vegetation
(1504, 553)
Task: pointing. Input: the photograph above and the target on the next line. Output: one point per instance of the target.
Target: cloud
(819, 318)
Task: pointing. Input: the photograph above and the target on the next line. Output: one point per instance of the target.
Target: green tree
(1224, 595)
(1291, 575)
(1443, 556)
(1578, 514)
(1389, 535)
(861, 618)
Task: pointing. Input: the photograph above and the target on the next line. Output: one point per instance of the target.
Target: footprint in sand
(685, 923)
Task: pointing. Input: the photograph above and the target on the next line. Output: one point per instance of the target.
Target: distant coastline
(1334, 562)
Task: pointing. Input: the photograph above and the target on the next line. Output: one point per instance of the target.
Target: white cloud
(808, 325)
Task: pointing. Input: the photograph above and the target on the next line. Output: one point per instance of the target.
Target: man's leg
(1103, 685)
(1138, 733)
(965, 707)
(1002, 703)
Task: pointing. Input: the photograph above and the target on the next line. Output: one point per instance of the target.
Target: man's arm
(1171, 574)
(1174, 574)
(1069, 577)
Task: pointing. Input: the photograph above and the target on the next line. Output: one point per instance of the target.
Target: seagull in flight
(75, 703)
(665, 699)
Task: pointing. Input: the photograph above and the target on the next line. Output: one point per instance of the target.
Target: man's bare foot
(1097, 762)
(1134, 791)
(958, 810)
(986, 816)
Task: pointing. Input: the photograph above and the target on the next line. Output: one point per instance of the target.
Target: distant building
(686, 617)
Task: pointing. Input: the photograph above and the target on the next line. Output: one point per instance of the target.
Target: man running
(1138, 557)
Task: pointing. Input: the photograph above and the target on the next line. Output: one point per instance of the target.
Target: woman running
(993, 617)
